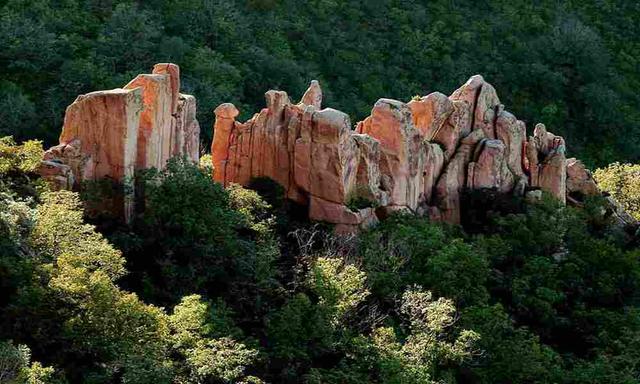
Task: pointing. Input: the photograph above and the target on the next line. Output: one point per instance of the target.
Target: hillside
(400, 224)
(571, 65)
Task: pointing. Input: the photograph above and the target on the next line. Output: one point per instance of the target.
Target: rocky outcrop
(419, 156)
(313, 153)
(111, 134)
(580, 182)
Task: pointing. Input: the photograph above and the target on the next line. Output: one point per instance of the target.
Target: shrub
(622, 182)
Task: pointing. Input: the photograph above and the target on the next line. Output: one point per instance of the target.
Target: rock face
(111, 134)
(313, 153)
(416, 157)
(420, 156)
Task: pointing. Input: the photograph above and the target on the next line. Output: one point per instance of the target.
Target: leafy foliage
(18, 165)
(537, 293)
(622, 181)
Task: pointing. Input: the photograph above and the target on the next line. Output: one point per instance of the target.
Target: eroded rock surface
(108, 135)
(415, 157)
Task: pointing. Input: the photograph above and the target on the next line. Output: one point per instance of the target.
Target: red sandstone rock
(547, 142)
(402, 160)
(490, 169)
(104, 127)
(415, 157)
(187, 132)
(453, 179)
(368, 178)
(313, 95)
(174, 75)
(483, 101)
(430, 112)
(334, 156)
(433, 164)
(579, 179)
(531, 162)
(312, 153)
(553, 175)
(455, 128)
(331, 212)
(224, 123)
(110, 134)
(155, 131)
(512, 133)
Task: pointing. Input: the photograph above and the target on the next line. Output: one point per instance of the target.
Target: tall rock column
(402, 154)
(102, 129)
(108, 135)
(551, 162)
(224, 123)
(154, 133)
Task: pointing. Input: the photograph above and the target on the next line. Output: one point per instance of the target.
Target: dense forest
(248, 291)
(235, 285)
(572, 65)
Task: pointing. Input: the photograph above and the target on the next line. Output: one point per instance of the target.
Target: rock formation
(417, 157)
(111, 134)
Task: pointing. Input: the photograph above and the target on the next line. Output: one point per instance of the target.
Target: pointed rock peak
(313, 95)
(469, 88)
(540, 130)
(276, 100)
(391, 103)
(173, 70)
(397, 108)
(226, 111)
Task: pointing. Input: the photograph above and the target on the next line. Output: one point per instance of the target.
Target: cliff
(111, 134)
(417, 157)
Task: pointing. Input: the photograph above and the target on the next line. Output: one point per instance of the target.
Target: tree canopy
(572, 65)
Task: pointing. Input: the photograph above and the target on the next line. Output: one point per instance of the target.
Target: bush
(622, 182)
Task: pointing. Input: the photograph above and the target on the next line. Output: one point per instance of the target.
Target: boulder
(490, 169)
(430, 112)
(580, 182)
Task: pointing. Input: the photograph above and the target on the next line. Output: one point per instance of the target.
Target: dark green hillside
(572, 65)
